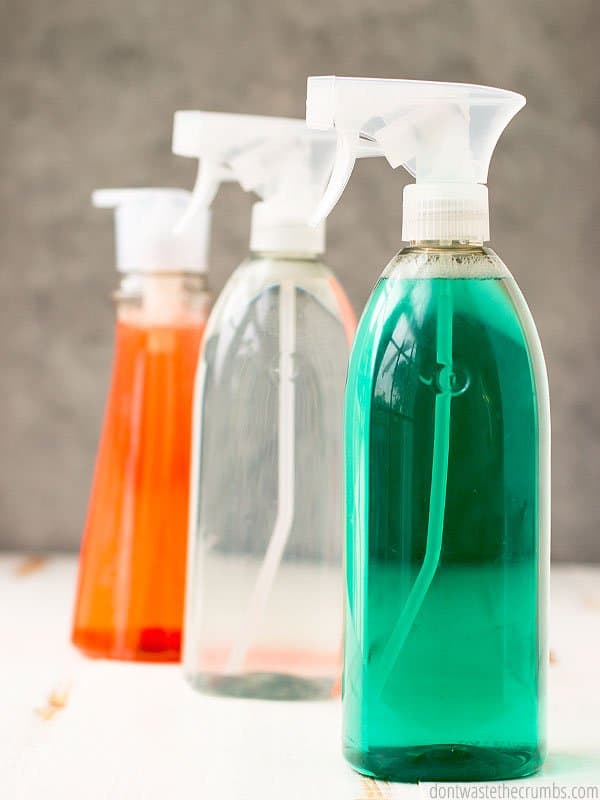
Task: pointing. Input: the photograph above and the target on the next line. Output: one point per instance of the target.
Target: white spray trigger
(209, 177)
(444, 134)
(280, 159)
(350, 146)
(345, 158)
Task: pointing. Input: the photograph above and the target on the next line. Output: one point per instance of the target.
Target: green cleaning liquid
(447, 437)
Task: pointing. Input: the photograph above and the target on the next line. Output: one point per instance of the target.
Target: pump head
(280, 159)
(443, 134)
(146, 237)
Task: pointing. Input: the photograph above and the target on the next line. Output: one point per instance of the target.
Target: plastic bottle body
(132, 566)
(263, 609)
(447, 500)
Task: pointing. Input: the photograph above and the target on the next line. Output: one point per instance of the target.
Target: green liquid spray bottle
(447, 440)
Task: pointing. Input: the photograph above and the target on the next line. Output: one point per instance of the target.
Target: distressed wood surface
(73, 728)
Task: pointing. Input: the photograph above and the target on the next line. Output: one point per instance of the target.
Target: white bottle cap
(146, 235)
(445, 212)
(270, 232)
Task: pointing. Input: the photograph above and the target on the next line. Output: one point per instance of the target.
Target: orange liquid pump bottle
(131, 581)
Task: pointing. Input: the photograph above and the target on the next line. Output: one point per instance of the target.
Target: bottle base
(264, 686)
(149, 645)
(448, 762)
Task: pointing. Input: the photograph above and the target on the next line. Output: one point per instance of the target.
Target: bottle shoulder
(258, 276)
(279, 267)
(163, 299)
(484, 297)
(443, 262)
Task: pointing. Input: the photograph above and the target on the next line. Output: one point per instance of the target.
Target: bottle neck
(468, 245)
(154, 298)
(274, 231)
(284, 255)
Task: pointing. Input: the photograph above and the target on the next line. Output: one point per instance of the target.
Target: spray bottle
(132, 567)
(263, 618)
(447, 455)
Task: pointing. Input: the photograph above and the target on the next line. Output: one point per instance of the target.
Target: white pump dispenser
(146, 235)
(279, 158)
(443, 134)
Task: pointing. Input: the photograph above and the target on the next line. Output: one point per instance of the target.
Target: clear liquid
(457, 694)
(294, 649)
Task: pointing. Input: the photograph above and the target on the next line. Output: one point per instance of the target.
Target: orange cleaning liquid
(132, 566)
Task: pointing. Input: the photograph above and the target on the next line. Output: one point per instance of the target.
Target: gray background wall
(87, 93)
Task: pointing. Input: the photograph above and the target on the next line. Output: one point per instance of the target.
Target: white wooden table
(73, 728)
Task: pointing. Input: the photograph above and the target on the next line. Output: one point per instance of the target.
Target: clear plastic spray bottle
(447, 455)
(132, 567)
(263, 606)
